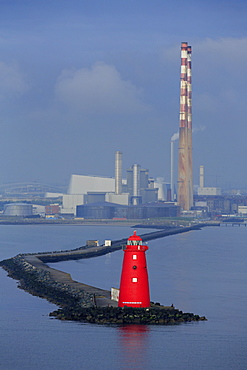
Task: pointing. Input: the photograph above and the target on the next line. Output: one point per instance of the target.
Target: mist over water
(203, 272)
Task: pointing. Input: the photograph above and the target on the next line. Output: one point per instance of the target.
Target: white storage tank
(18, 209)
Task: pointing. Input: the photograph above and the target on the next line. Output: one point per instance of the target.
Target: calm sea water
(203, 272)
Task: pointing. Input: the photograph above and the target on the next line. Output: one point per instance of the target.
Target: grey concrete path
(102, 297)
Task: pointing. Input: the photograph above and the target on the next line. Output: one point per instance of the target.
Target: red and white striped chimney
(183, 140)
(183, 85)
(185, 183)
(189, 118)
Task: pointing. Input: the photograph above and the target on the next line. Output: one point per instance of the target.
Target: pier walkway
(88, 252)
(102, 297)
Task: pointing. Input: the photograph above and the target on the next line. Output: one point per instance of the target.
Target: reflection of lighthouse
(134, 287)
(133, 343)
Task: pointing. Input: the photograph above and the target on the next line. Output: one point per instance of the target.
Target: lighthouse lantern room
(134, 286)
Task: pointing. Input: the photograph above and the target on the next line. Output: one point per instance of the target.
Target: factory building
(117, 198)
(70, 201)
(202, 190)
(138, 188)
(86, 188)
(52, 209)
(81, 184)
(98, 210)
(209, 191)
(242, 210)
(106, 210)
(163, 188)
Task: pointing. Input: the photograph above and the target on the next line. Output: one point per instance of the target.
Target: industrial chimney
(201, 176)
(118, 172)
(136, 183)
(172, 170)
(185, 181)
(189, 107)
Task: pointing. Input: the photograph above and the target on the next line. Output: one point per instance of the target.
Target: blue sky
(82, 79)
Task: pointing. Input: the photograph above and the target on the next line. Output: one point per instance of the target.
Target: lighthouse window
(134, 280)
(134, 256)
(134, 242)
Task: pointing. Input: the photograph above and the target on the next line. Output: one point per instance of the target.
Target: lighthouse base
(156, 315)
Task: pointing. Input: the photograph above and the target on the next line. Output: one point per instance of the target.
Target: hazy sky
(81, 79)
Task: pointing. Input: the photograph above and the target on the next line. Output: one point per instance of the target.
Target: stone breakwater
(155, 315)
(39, 282)
(81, 302)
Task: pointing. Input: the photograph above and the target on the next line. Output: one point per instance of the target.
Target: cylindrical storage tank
(18, 209)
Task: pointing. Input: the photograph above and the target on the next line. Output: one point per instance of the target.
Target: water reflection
(133, 344)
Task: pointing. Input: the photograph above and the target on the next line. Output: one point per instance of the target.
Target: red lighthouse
(134, 287)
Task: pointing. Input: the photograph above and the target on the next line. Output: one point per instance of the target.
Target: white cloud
(99, 90)
(227, 49)
(11, 80)
(222, 62)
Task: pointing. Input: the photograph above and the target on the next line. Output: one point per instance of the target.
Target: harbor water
(204, 272)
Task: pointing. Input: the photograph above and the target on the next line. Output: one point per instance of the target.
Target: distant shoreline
(152, 224)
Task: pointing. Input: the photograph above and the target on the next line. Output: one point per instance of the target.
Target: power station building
(106, 210)
(111, 196)
(81, 185)
(140, 188)
(135, 190)
(202, 190)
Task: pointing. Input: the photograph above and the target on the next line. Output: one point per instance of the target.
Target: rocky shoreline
(155, 315)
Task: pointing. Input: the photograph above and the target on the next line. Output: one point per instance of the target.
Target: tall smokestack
(185, 183)
(118, 172)
(172, 170)
(183, 133)
(136, 183)
(201, 176)
(189, 106)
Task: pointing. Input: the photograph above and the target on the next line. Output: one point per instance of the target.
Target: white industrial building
(242, 210)
(92, 189)
(209, 191)
(70, 201)
(202, 190)
(81, 185)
